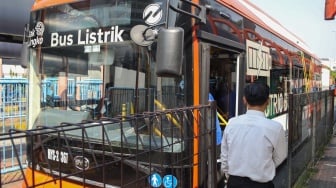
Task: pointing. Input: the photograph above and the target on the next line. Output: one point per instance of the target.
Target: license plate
(58, 156)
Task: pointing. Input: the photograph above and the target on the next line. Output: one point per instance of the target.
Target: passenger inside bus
(218, 128)
(223, 81)
(232, 99)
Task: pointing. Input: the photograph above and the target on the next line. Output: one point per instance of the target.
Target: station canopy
(14, 17)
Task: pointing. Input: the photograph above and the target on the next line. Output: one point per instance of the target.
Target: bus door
(227, 69)
(223, 81)
(224, 76)
(219, 72)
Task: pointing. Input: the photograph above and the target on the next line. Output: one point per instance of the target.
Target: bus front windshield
(87, 67)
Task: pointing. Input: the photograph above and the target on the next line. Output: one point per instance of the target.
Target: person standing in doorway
(252, 145)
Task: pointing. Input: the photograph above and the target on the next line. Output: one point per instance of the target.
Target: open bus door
(230, 71)
(225, 71)
(222, 73)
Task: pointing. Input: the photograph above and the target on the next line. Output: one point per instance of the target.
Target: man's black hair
(256, 93)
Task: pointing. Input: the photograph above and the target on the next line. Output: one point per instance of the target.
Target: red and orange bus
(93, 61)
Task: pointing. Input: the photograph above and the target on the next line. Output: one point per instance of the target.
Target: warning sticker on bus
(58, 156)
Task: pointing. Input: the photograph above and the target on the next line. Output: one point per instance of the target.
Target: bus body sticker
(81, 162)
(155, 180)
(169, 181)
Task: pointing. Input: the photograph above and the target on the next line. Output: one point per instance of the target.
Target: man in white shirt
(252, 145)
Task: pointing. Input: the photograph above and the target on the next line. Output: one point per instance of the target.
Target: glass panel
(89, 68)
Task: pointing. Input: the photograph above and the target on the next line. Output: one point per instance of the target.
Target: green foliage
(333, 74)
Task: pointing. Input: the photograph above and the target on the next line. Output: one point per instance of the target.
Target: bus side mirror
(169, 53)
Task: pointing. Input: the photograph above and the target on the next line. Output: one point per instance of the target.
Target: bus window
(86, 62)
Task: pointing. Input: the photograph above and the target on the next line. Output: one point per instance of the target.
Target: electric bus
(112, 73)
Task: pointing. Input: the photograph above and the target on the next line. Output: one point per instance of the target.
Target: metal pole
(314, 96)
(290, 139)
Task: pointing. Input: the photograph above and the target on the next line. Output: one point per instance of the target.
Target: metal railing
(311, 121)
(13, 114)
(135, 148)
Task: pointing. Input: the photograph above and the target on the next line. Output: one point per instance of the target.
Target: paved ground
(326, 174)
(326, 166)
(12, 180)
(17, 184)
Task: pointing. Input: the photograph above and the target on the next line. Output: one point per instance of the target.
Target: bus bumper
(42, 180)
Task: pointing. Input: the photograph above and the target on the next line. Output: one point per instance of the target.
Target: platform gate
(13, 114)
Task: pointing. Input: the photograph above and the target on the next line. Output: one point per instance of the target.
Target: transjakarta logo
(36, 35)
(85, 37)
